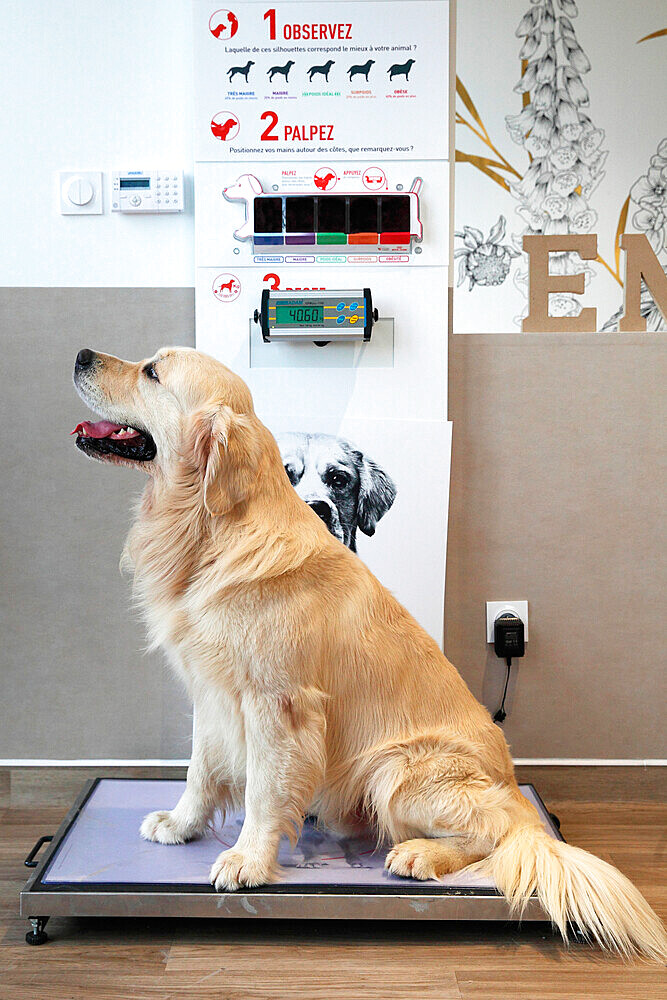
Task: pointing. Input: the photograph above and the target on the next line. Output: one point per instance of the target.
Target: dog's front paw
(413, 859)
(234, 869)
(162, 828)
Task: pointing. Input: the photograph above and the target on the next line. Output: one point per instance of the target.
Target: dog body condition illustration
(401, 69)
(324, 70)
(281, 70)
(247, 187)
(240, 70)
(315, 691)
(361, 70)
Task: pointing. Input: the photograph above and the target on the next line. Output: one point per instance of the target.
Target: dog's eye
(291, 475)
(338, 479)
(149, 371)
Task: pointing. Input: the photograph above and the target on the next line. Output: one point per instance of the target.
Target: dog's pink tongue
(98, 429)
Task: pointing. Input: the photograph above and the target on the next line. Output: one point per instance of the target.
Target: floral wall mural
(560, 125)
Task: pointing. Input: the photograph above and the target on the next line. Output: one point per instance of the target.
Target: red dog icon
(222, 131)
(323, 182)
(221, 28)
(226, 287)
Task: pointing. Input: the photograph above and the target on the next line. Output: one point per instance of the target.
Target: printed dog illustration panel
(346, 489)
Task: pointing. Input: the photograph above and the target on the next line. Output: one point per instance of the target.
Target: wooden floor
(167, 959)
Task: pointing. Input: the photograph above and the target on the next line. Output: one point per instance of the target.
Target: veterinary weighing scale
(326, 314)
(97, 865)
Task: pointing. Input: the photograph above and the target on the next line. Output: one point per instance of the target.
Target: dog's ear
(227, 448)
(377, 493)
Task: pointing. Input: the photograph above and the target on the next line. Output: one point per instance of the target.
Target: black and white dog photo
(345, 488)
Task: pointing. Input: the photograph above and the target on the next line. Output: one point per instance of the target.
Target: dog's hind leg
(423, 859)
(438, 788)
(422, 789)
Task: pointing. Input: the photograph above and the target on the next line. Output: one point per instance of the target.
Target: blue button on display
(353, 306)
(340, 319)
(341, 305)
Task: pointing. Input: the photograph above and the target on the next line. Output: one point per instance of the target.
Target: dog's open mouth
(105, 438)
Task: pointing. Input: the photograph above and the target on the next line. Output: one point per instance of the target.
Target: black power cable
(508, 641)
(501, 714)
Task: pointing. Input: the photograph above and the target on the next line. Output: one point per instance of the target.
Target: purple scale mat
(103, 846)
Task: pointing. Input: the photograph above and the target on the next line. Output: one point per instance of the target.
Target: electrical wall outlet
(495, 608)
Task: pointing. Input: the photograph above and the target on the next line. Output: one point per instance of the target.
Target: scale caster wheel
(37, 935)
(554, 819)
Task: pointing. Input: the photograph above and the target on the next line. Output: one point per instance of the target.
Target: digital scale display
(330, 315)
(299, 315)
(135, 182)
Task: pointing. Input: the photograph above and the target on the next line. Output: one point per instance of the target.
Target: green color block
(329, 238)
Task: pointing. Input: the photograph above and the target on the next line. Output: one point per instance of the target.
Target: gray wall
(558, 497)
(558, 485)
(74, 680)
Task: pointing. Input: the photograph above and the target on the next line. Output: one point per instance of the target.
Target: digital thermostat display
(134, 182)
(299, 315)
(327, 315)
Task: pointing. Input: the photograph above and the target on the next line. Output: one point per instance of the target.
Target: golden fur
(314, 690)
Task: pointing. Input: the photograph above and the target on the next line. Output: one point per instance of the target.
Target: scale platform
(98, 866)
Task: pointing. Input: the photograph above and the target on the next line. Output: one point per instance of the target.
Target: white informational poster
(364, 79)
(560, 129)
(322, 172)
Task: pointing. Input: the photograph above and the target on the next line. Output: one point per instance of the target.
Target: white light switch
(81, 193)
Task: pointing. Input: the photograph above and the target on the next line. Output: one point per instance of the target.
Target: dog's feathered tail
(575, 888)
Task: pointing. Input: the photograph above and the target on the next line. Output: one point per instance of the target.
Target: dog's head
(179, 409)
(345, 488)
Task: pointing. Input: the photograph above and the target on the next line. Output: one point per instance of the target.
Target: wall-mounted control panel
(137, 191)
(320, 316)
(328, 223)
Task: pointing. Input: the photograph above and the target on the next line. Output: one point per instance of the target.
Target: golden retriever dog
(314, 690)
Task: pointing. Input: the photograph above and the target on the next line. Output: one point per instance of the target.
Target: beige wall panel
(558, 497)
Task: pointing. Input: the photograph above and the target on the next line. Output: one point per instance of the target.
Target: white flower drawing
(484, 262)
(564, 146)
(649, 195)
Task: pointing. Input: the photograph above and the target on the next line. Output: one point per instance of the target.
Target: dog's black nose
(323, 510)
(85, 358)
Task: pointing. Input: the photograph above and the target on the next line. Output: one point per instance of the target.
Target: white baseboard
(92, 762)
(587, 762)
(518, 761)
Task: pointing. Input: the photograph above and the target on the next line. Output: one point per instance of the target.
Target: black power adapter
(508, 640)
